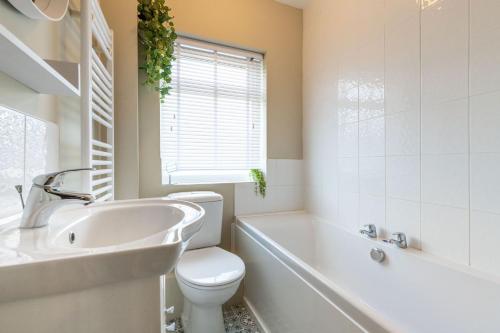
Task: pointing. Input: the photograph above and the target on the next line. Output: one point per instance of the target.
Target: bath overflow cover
(377, 254)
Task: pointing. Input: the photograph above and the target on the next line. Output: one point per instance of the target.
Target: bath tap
(46, 197)
(369, 230)
(400, 240)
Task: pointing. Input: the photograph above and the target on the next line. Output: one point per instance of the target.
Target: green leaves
(157, 35)
(260, 181)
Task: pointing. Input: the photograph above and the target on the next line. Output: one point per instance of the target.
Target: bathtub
(307, 275)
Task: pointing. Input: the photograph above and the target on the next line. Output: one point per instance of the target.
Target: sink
(124, 224)
(83, 247)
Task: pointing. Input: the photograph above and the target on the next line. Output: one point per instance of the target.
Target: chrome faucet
(46, 197)
(369, 230)
(400, 240)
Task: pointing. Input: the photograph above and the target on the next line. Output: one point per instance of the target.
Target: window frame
(194, 177)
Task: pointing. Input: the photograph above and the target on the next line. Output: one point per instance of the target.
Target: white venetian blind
(212, 123)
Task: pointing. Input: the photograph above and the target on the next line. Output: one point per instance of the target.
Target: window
(213, 121)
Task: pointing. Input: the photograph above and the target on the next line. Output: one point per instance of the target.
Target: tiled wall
(28, 147)
(285, 190)
(402, 101)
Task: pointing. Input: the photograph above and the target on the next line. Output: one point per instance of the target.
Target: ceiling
(294, 3)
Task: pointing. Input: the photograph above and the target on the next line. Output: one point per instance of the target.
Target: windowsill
(206, 177)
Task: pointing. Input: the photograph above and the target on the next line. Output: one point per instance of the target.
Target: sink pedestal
(126, 307)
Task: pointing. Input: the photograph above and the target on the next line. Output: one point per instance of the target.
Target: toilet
(207, 275)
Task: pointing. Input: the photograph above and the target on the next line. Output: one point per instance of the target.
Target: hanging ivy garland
(157, 37)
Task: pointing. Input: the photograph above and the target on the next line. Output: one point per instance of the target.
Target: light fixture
(52, 10)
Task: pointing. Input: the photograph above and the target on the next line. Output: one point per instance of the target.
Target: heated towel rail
(97, 101)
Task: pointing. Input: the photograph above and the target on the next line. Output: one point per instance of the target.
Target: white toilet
(207, 275)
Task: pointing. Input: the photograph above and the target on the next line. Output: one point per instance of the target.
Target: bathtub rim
(378, 242)
(358, 312)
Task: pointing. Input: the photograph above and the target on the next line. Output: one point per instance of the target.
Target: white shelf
(47, 77)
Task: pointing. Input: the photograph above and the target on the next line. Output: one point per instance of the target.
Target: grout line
(25, 186)
(386, 210)
(468, 129)
(420, 123)
(443, 205)
(358, 51)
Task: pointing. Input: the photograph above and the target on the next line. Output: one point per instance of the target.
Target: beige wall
(122, 18)
(263, 25)
(257, 24)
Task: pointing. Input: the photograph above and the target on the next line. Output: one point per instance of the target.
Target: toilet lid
(210, 267)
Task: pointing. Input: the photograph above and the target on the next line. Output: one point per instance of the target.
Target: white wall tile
(348, 140)
(271, 172)
(445, 180)
(429, 121)
(485, 46)
(372, 175)
(371, 59)
(485, 123)
(372, 211)
(484, 59)
(402, 65)
(404, 216)
(28, 148)
(484, 13)
(403, 177)
(399, 11)
(289, 172)
(371, 91)
(445, 128)
(12, 132)
(285, 190)
(246, 201)
(288, 198)
(445, 232)
(403, 133)
(484, 244)
(348, 174)
(347, 101)
(372, 137)
(348, 110)
(349, 211)
(485, 182)
(445, 51)
(41, 151)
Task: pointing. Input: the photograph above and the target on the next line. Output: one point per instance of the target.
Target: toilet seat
(210, 267)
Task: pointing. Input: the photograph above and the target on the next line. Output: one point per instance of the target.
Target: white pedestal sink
(87, 248)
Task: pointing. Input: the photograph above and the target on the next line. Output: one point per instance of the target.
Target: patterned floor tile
(237, 319)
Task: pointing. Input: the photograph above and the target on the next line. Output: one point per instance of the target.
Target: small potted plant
(260, 182)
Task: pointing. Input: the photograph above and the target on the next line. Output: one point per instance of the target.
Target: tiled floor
(237, 319)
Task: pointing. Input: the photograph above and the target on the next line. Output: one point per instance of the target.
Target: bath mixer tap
(46, 197)
(369, 230)
(399, 241)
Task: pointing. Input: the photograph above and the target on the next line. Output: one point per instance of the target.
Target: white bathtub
(309, 276)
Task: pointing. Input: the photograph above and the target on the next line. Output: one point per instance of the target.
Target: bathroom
(249, 166)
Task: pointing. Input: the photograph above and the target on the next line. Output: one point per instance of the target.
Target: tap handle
(370, 230)
(400, 236)
(50, 178)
